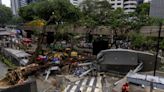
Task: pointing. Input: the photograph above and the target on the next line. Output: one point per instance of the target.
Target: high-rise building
(116, 3)
(130, 5)
(0, 1)
(157, 8)
(23, 3)
(76, 2)
(140, 1)
(16, 4)
(147, 1)
(127, 5)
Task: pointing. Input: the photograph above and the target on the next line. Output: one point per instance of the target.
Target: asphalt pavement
(3, 70)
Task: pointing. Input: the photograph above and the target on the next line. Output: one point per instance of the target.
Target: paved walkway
(3, 70)
(88, 84)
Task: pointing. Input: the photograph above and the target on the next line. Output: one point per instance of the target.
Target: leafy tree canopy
(27, 12)
(61, 10)
(5, 14)
(138, 39)
(95, 13)
(143, 9)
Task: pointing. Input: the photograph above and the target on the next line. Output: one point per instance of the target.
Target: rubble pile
(60, 61)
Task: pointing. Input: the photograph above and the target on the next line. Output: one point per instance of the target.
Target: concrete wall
(151, 31)
(123, 60)
(102, 30)
(148, 61)
(120, 58)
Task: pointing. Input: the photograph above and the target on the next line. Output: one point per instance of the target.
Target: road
(3, 70)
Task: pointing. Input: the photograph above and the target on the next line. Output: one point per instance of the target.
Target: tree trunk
(115, 39)
(39, 45)
(56, 29)
(40, 41)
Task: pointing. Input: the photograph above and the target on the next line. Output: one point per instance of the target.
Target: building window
(112, 0)
(112, 4)
(133, 4)
(118, 3)
(133, 8)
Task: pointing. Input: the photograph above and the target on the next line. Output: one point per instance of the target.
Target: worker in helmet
(125, 87)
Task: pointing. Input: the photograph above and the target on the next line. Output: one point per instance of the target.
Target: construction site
(81, 46)
(75, 67)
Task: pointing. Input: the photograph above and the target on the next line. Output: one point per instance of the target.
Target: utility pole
(156, 56)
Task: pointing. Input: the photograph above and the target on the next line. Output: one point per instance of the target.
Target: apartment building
(16, 4)
(127, 5)
(116, 3)
(76, 2)
(130, 5)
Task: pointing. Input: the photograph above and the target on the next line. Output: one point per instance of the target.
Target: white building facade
(130, 5)
(127, 5)
(116, 3)
(76, 2)
(22, 3)
(16, 4)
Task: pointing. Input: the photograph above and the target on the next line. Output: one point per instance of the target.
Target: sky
(6, 2)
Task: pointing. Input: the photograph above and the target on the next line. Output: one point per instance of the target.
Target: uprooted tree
(57, 12)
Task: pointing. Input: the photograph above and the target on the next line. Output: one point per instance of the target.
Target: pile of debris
(62, 62)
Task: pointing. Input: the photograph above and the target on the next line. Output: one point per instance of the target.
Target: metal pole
(156, 56)
(157, 48)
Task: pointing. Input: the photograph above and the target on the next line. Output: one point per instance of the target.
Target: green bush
(7, 61)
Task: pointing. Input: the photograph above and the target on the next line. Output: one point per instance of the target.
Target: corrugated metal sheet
(146, 80)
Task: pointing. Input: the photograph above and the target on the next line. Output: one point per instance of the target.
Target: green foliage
(16, 20)
(95, 13)
(137, 40)
(143, 9)
(7, 61)
(5, 14)
(162, 44)
(150, 41)
(143, 14)
(61, 10)
(27, 12)
(117, 19)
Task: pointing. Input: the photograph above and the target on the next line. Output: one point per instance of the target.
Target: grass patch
(7, 61)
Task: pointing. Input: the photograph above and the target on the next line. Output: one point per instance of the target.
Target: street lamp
(156, 56)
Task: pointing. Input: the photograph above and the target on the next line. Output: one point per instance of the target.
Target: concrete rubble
(62, 68)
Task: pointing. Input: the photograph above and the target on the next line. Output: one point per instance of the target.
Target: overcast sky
(6, 2)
